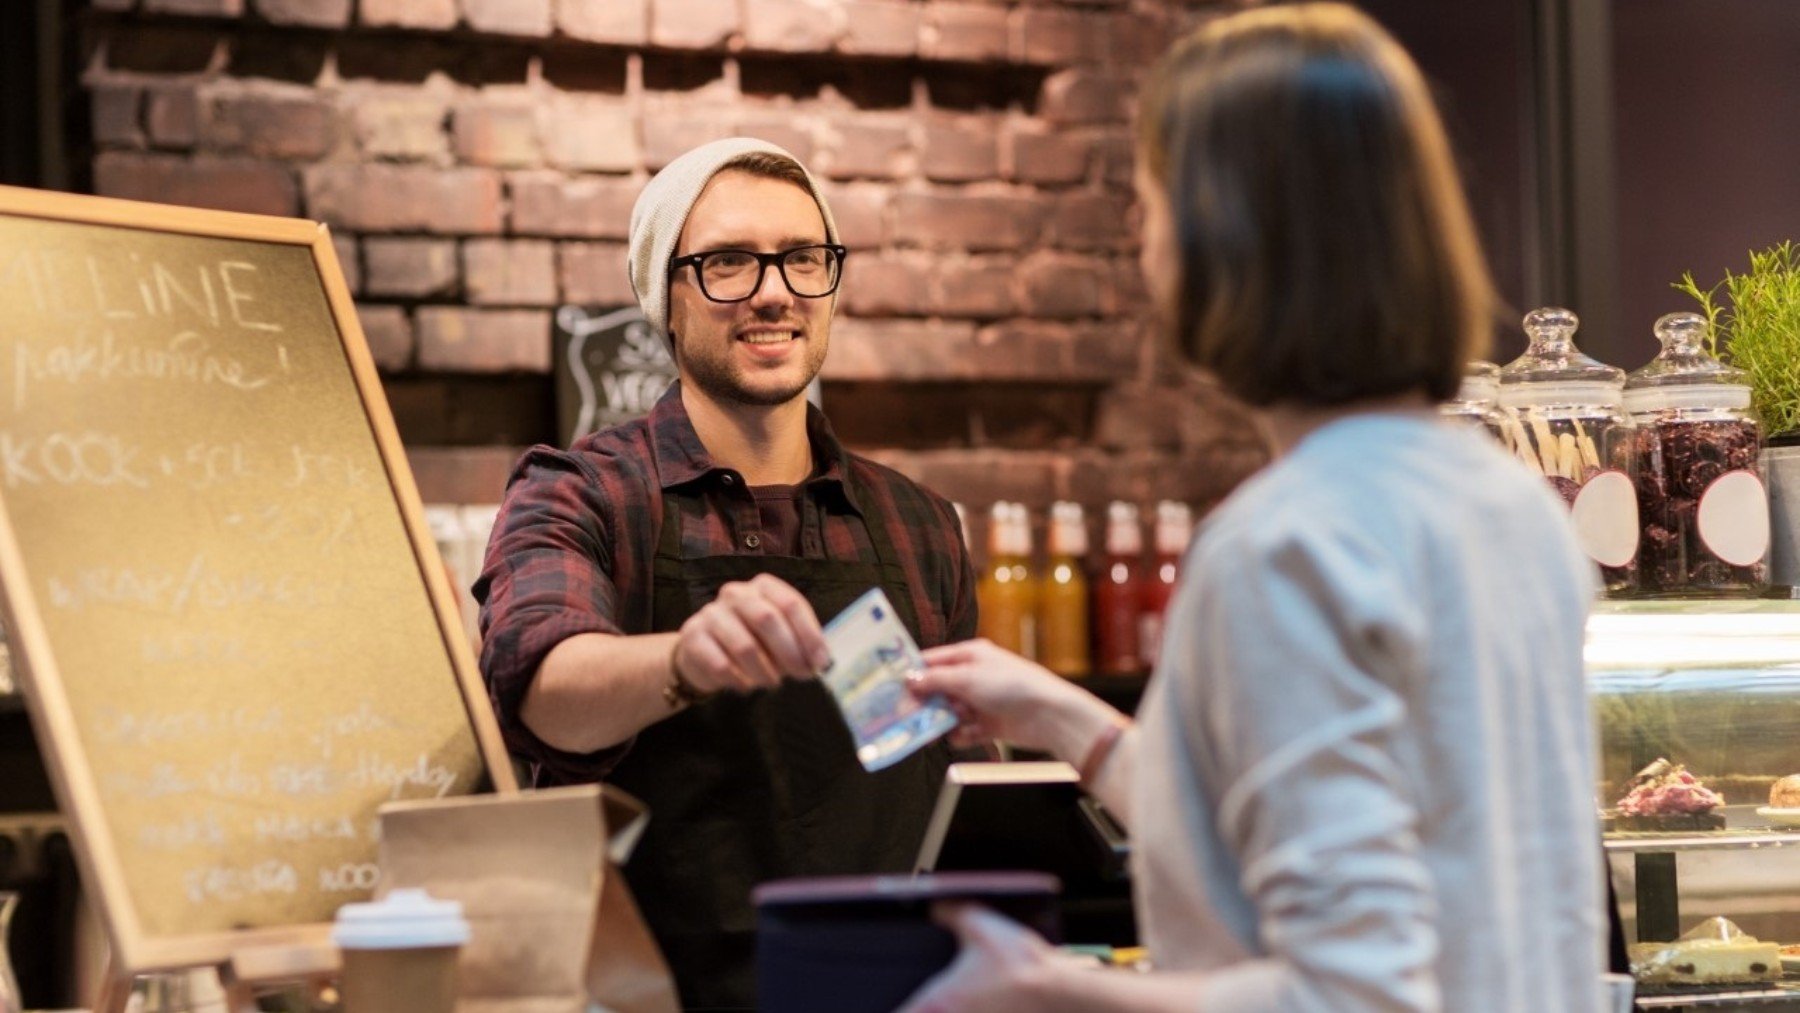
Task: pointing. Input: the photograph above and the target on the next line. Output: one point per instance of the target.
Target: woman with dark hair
(1361, 776)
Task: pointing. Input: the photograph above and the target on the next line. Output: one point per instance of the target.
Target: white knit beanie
(662, 211)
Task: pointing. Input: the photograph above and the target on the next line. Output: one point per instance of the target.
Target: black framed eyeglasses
(809, 272)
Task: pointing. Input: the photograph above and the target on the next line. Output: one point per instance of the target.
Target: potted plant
(1757, 329)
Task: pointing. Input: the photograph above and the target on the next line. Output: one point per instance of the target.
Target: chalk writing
(230, 883)
(185, 358)
(129, 286)
(370, 770)
(86, 458)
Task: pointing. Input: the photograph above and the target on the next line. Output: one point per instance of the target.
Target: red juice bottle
(1118, 591)
(1174, 527)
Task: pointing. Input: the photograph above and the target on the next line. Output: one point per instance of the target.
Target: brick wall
(477, 161)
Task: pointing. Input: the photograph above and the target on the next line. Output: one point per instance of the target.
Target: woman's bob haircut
(1326, 250)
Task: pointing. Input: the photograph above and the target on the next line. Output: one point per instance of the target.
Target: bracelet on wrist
(679, 693)
(1102, 749)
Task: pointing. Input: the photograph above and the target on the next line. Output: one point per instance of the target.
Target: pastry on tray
(1664, 796)
(1786, 793)
(1716, 952)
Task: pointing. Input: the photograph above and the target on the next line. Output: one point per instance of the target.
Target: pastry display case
(1698, 708)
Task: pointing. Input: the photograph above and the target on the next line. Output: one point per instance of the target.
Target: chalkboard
(232, 629)
(610, 368)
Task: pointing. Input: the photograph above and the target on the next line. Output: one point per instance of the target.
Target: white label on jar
(1734, 518)
(1606, 518)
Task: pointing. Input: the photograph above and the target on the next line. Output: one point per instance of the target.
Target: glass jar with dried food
(1477, 401)
(1565, 417)
(1701, 498)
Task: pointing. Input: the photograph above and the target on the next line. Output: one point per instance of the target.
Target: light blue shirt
(1365, 765)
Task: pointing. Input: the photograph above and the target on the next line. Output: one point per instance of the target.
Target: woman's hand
(998, 695)
(1002, 966)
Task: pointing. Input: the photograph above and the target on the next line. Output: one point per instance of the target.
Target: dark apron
(746, 788)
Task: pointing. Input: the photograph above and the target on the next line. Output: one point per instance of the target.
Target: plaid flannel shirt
(571, 550)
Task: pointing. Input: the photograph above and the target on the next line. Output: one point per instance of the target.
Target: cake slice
(1716, 952)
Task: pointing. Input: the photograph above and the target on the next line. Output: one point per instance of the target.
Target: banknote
(871, 653)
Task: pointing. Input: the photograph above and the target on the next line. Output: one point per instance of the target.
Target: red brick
(1053, 37)
(1130, 295)
(620, 22)
(590, 136)
(308, 13)
(860, 212)
(405, 198)
(966, 221)
(885, 285)
(787, 132)
(1139, 416)
(407, 13)
(1118, 159)
(496, 134)
(977, 478)
(402, 126)
(1062, 288)
(880, 28)
(410, 268)
(1140, 38)
(203, 8)
(669, 135)
(1049, 159)
(547, 204)
(963, 32)
(1094, 221)
(457, 339)
(961, 151)
(593, 274)
(792, 26)
(390, 336)
(509, 272)
(508, 17)
(1085, 96)
(899, 350)
(230, 184)
(349, 258)
(919, 350)
(173, 116)
(269, 126)
(861, 149)
(693, 24)
(116, 111)
(977, 287)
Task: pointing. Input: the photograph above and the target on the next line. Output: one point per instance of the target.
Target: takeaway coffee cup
(400, 953)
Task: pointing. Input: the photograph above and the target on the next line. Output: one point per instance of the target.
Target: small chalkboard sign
(231, 625)
(610, 368)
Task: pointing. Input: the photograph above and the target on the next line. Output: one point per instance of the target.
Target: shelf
(1718, 840)
(1785, 992)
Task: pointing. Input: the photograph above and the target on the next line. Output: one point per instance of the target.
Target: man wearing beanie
(652, 596)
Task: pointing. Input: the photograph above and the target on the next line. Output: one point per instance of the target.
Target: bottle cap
(1174, 527)
(1124, 536)
(1068, 529)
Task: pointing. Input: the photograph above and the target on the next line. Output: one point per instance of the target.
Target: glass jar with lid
(1705, 510)
(1565, 417)
(1477, 401)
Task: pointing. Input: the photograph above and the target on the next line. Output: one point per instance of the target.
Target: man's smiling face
(766, 349)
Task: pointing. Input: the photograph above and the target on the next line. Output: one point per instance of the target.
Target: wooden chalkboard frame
(36, 666)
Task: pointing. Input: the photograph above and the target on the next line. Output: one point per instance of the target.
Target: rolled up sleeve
(546, 577)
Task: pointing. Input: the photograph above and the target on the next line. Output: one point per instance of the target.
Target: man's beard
(716, 378)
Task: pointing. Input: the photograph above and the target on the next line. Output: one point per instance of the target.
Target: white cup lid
(402, 920)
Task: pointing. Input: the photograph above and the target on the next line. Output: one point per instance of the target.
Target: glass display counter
(1698, 708)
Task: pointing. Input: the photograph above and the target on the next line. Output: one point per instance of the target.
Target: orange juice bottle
(1062, 624)
(1007, 593)
(1174, 527)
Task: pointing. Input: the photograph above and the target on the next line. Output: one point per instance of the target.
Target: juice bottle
(1062, 625)
(1118, 589)
(1007, 592)
(1174, 526)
